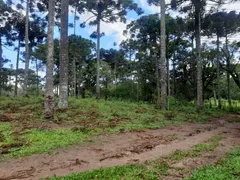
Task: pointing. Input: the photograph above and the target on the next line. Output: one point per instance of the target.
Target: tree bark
(198, 58)
(193, 71)
(214, 96)
(218, 76)
(98, 59)
(115, 73)
(236, 78)
(37, 77)
(168, 79)
(57, 89)
(158, 102)
(228, 74)
(174, 68)
(174, 78)
(1, 66)
(79, 78)
(49, 95)
(17, 67)
(79, 85)
(63, 95)
(74, 77)
(168, 71)
(1, 58)
(163, 65)
(74, 60)
(27, 54)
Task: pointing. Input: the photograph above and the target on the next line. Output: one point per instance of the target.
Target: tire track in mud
(182, 169)
(114, 150)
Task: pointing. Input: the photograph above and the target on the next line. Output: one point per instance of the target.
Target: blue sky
(113, 32)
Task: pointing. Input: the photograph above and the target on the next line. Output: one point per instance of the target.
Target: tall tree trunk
(49, 95)
(74, 59)
(214, 96)
(158, 102)
(17, 67)
(218, 76)
(168, 79)
(115, 73)
(74, 77)
(174, 68)
(174, 78)
(198, 58)
(27, 55)
(1, 58)
(1, 66)
(79, 85)
(228, 74)
(98, 59)
(75, 20)
(63, 96)
(137, 91)
(168, 71)
(57, 89)
(163, 67)
(79, 75)
(37, 77)
(193, 72)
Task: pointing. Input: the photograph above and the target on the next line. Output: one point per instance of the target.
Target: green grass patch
(233, 120)
(130, 172)
(228, 168)
(94, 117)
(39, 141)
(5, 137)
(196, 151)
(233, 108)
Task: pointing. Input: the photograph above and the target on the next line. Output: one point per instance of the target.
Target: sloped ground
(24, 132)
(130, 148)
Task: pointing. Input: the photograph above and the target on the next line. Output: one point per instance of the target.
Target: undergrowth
(227, 168)
(23, 131)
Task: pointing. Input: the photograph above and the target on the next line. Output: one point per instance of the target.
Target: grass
(234, 107)
(45, 140)
(89, 117)
(5, 136)
(196, 151)
(233, 120)
(130, 172)
(228, 168)
(150, 170)
(36, 141)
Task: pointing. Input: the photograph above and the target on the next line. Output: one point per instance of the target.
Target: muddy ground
(127, 148)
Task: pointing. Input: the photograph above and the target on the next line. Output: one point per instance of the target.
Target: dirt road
(125, 148)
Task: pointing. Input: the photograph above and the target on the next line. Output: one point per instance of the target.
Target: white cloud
(146, 6)
(115, 29)
(153, 9)
(232, 6)
(110, 29)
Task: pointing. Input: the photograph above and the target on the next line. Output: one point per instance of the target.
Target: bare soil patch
(125, 148)
(184, 168)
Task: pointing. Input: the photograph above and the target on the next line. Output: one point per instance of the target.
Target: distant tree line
(161, 57)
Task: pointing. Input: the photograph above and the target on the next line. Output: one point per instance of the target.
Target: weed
(38, 141)
(172, 137)
(235, 119)
(95, 116)
(227, 168)
(130, 172)
(178, 155)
